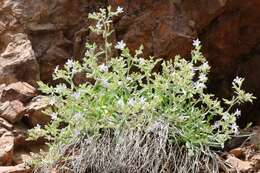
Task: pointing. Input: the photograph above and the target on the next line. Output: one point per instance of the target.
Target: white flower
(76, 95)
(237, 81)
(120, 45)
(56, 69)
(77, 132)
(120, 102)
(216, 125)
(142, 61)
(37, 127)
(103, 68)
(74, 70)
(142, 100)
(199, 85)
(70, 63)
(99, 26)
(78, 116)
(204, 66)
(234, 128)
(225, 116)
(52, 101)
(119, 9)
(54, 116)
(128, 78)
(60, 88)
(105, 82)
(203, 77)
(191, 67)
(196, 42)
(131, 102)
(238, 113)
(119, 83)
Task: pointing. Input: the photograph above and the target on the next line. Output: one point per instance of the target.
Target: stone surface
(6, 150)
(237, 152)
(12, 111)
(243, 159)
(164, 27)
(35, 110)
(20, 134)
(21, 91)
(21, 156)
(18, 62)
(5, 124)
(239, 165)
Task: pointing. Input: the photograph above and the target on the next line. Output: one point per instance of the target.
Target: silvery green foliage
(128, 95)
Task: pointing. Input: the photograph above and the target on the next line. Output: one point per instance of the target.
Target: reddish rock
(5, 124)
(237, 152)
(255, 137)
(12, 111)
(6, 150)
(35, 110)
(239, 165)
(18, 62)
(164, 27)
(21, 91)
(21, 156)
(20, 133)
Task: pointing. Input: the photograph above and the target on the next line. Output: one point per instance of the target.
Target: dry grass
(134, 152)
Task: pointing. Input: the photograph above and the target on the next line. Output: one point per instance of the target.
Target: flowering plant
(125, 94)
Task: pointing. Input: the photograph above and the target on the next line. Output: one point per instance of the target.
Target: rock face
(17, 62)
(18, 91)
(12, 111)
(36, 36)
(16, 103)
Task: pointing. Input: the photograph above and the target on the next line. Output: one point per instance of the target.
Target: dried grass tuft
(134, 152)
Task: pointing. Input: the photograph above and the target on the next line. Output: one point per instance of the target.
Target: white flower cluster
(52, 101)
(60, 88)
(78, 116)
(196, 42)
(131, 102)
(72, 65)
(76, 95)
(37, 128)
(103, 68)
(226, 119)
(238, 113)
(54, 115)
(120, 45)
(205, 66)
(105, 82)
(119, 9)
(237, 81)
(99, 26)
(56, 69)
(199, 85)
(121, 103)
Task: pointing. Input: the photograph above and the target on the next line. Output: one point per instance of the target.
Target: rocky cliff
(38, 35)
